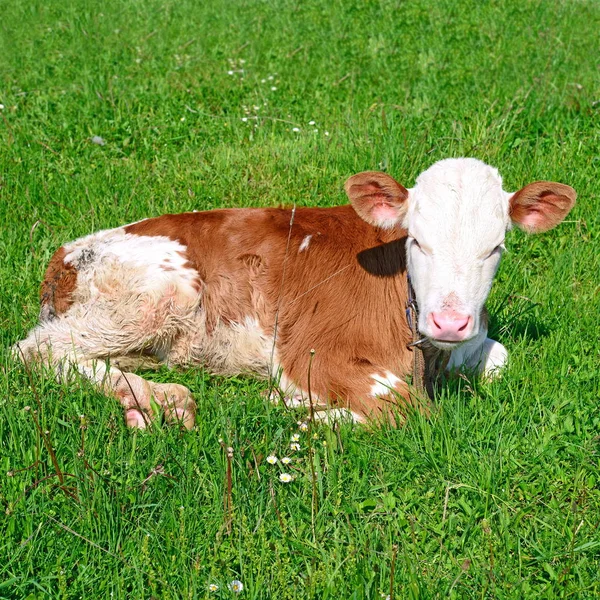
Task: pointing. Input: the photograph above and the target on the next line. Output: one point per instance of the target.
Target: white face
(456, 220)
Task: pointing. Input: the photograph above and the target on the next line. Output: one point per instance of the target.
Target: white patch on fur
(305, 243)
(384, 384)
(161, 260)
(333, 415)
(228, 349)
(293, 396)
(486, 358)
(496, 357)
(133, 294)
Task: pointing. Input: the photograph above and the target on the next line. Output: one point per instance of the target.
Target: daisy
(272, 459)
(285, 477)
(236, 586)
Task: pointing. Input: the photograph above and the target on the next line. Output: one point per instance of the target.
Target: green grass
(497, 494)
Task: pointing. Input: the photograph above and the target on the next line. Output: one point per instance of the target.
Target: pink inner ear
(382, 211)
(534, 219)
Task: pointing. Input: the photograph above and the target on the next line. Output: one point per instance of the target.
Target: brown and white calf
(270, 291)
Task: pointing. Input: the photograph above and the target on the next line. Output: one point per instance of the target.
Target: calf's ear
(540, 206)
(377, 198)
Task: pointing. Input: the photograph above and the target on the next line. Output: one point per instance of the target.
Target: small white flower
(263, 81)
(182, 119)
(272, 459)
(213, 587)
(327, 133)
(315, 131)
(244, 119)
(242, 61)
(229, 72)
(236, 586)
(286, 460)
(138, 60)
(296, 129)
(285, 477)
(295, 446)
(303, 426)
(98, 140)
(273, 88)
(1, 106)
(271, 78)
(295, 437)
(311, 123)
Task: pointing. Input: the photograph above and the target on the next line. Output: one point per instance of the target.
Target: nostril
(464, 325)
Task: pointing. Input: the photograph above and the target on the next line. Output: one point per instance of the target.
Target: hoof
(135, 419)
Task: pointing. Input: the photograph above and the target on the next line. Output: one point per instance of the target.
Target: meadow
(115, 111)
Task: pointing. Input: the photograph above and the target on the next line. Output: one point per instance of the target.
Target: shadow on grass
(516, 320)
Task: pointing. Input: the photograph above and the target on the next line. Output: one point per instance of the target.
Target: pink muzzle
(450, 326)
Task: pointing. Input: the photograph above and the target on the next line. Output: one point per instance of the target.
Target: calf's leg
(82, 341)
(349, 389)
(482, 355)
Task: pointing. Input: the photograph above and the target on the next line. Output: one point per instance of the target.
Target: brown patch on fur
(57, 287)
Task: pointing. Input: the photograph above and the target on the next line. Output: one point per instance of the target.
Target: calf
(311, 298)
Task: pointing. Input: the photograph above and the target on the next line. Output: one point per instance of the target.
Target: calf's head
(456, 218)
